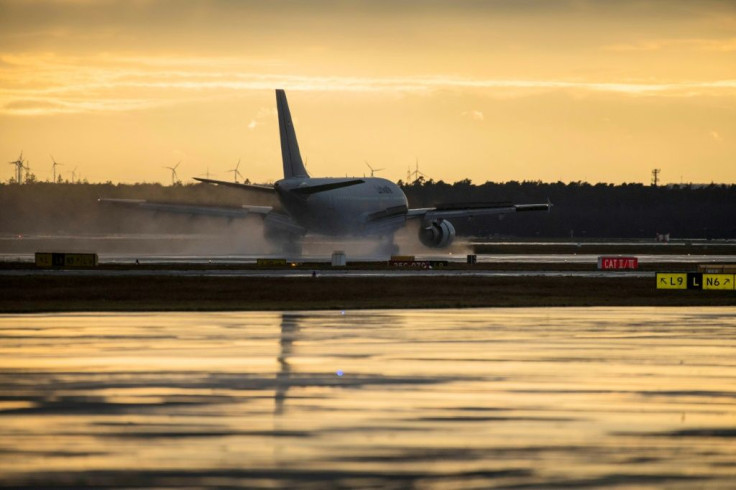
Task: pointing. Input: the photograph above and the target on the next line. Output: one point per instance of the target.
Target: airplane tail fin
(293, 165)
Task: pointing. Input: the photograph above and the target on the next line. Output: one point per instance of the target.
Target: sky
(487, 90)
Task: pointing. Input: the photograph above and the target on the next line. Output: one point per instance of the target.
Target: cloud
(55, 84)
(474, 115)
(52, 106)
(262, 115)
(30, 104)
(727, 45)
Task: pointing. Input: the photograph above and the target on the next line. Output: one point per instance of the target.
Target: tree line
(580, 210)
(593, 210)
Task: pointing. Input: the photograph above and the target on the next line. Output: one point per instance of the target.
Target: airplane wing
(191, 209)
(273, 219)
(469, 210)
(251, 187)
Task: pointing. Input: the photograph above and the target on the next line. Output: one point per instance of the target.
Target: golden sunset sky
(491, 90)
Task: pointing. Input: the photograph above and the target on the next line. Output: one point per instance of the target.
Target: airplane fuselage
(348, 210)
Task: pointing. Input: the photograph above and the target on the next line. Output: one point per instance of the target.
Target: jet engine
(437, 234)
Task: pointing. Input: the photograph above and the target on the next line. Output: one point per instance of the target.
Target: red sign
(617, 263)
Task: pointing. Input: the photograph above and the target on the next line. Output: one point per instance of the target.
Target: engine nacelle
(437, 234)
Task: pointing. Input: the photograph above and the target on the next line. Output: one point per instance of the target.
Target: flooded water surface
(509, 398)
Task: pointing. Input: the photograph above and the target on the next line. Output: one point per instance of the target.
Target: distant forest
(580, 210)
(583, 210)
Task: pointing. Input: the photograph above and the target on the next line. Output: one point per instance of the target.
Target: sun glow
(465, 87)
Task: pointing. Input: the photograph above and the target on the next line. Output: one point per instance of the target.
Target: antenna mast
(655, 176)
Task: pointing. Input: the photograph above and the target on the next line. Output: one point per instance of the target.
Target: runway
(227, 249)
(337, 273)
(227, 282)
(232, 265)
(535, 258)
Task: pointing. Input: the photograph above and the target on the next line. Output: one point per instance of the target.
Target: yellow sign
(271, 262)
(58, 259)
(676, 280)
(43, 260)
(718, 281)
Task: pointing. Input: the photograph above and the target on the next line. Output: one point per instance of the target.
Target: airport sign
(718, 281)
(676, 280)
(617, 263)
(695, 280)
(60, 259)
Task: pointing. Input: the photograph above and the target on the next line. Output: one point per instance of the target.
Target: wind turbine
(27, 168)
(174, 177)
(416, 173)
(74, 174)
(373, 170)
(54, 166)
(236, 172)
(19, 168)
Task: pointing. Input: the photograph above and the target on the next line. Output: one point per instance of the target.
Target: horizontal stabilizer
(250, 187)
(313, 189)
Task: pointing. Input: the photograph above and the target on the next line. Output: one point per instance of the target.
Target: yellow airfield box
(271, 262)
(695, 280)
(58, 259)
(674, 280)
(718, 281)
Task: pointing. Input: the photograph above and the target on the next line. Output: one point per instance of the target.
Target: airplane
(338, 207)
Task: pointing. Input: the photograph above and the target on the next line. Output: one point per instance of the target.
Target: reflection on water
(520, 398)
